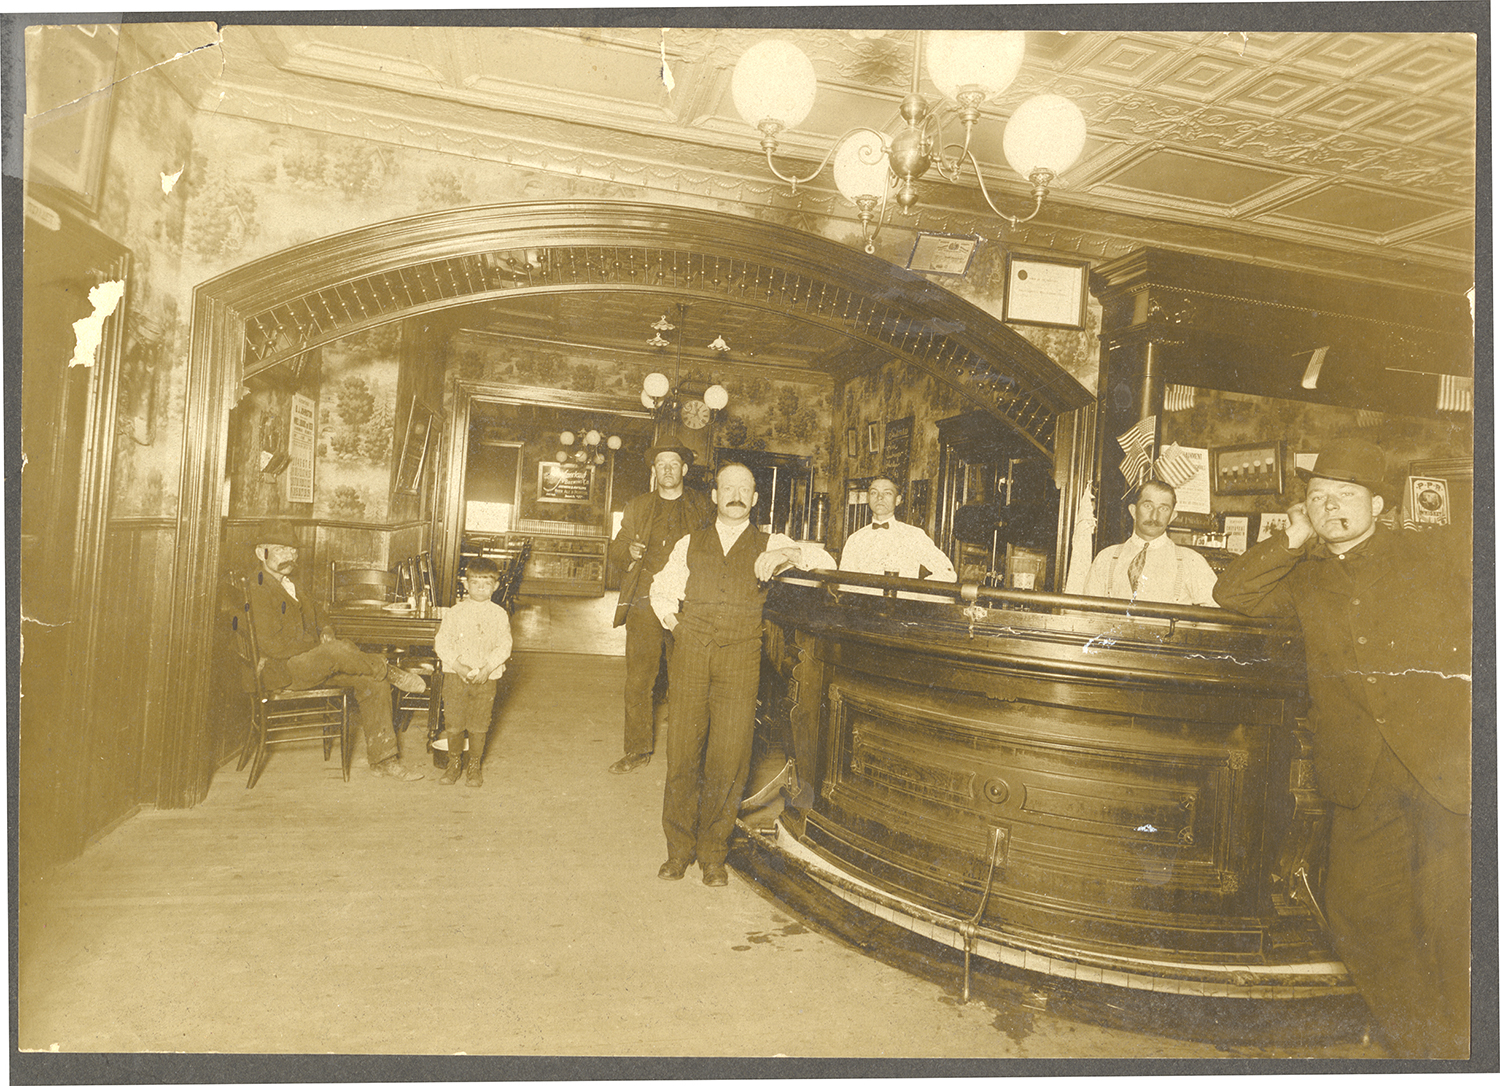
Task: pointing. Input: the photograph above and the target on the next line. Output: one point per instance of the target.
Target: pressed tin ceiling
(1350, 154)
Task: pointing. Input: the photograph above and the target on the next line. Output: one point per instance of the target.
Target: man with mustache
(1148, 566)
(298, 652)
(719, 576)
(1387, 619)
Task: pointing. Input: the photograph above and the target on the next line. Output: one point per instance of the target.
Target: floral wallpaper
(151, 139)
(353, 381)
(894, 391)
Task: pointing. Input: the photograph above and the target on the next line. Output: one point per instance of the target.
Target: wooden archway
(271, 311)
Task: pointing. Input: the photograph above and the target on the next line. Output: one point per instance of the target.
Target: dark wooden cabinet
(996, 497)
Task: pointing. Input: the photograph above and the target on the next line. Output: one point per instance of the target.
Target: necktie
(1137, 564)
(881, 524)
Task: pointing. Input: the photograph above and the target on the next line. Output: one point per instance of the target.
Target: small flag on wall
(1176, 465)
(1180, 398)
(1138, 443)
(1455, 393)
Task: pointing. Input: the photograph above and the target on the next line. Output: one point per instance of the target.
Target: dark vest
(722, 601)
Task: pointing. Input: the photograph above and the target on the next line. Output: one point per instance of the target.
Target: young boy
(473, 642)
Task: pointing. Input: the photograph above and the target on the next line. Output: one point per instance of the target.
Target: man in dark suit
(650, 526)
(718, 576)
(299, 651)
(1386, 621)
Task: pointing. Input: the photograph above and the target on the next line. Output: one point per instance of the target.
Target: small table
(380, 628)
(400, 633)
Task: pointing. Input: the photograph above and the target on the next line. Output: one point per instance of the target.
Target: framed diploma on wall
(1041, 290)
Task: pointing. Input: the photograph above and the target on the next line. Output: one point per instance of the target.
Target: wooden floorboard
(521, 918)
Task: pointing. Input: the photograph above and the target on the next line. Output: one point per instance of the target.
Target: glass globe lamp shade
(860, 167)
(593, 437)
(774, 81)
(614, 441)
(581, 456)
(1044, 133)
(716, 397)
(983, 60)
(566, 437)
(656, 385)
(647, 401)
(562, 456)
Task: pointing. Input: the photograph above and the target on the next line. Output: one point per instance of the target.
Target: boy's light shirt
(474, 634)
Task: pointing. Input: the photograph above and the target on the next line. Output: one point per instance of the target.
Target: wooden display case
(566, 566)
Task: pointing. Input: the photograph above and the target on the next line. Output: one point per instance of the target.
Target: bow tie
(881, 524)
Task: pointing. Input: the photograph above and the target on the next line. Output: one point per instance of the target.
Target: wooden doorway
(77, 768)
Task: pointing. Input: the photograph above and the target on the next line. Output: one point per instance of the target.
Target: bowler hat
(279, 533)
(685, 454)
(1349, 460)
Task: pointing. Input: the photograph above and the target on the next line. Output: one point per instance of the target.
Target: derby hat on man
(277, 534)
(1349, 460)
(683, 453)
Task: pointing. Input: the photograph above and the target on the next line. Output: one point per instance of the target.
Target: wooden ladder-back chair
(417, 573)
(510, 576)
(288, 716)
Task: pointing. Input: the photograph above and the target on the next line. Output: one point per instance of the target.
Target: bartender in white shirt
(1148, 566)
(887, 546)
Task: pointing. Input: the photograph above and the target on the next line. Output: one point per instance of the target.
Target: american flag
(1176, 466)
(1137, 443)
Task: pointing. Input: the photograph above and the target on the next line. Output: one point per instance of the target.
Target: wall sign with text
(570, 483)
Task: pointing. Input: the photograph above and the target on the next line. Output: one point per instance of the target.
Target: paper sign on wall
(299, 446)
(1270, 522)
(1186, 469)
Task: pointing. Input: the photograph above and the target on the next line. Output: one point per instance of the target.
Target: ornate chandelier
(584, 448)
(661, 394)
(774, 86)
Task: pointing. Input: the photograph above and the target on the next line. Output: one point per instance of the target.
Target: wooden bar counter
(1088, 788)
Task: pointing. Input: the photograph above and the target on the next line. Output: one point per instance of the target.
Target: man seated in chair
(299, 652)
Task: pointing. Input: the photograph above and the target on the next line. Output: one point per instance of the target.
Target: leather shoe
(395, 770)
(715, 875)
(629, 762)
(673, 869)
(404, 680)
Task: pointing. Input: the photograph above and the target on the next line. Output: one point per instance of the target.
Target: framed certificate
(942, 254)
(1045, 291)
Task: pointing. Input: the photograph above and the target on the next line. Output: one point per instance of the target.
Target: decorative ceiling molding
(287, 304)
(1391, 113)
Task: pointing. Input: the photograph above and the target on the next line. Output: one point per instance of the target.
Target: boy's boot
(475, 775)
(455, 760)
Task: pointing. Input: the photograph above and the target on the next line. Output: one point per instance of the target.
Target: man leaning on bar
(1387, 623)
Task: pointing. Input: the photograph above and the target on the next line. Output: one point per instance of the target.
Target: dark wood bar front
(1088, 789)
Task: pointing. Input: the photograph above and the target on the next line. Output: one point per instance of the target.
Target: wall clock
(695, 414)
